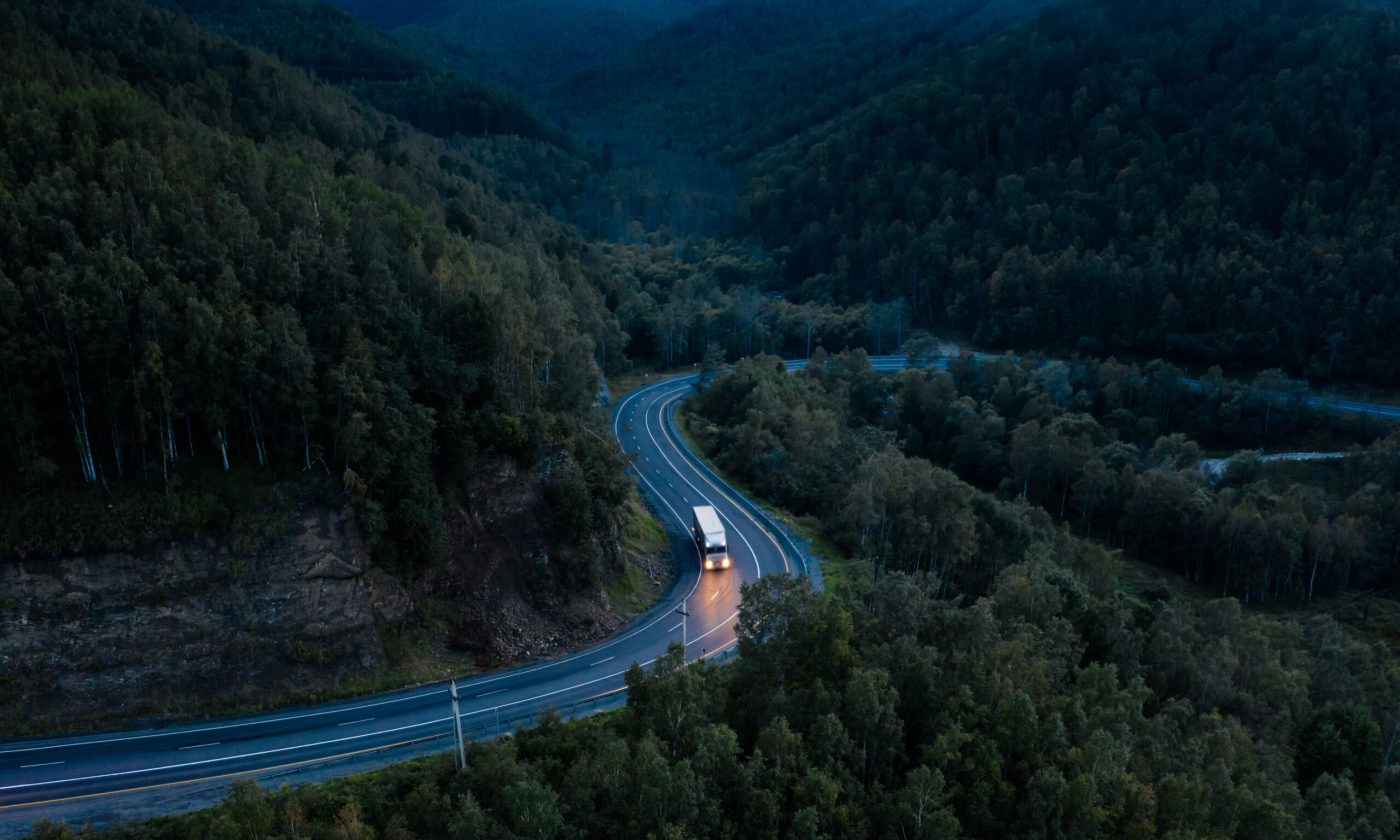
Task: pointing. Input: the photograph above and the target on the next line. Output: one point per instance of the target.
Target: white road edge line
(726, 492)
(205, 761)
(79, 743)
(419, 725)
(661, 418)
(319, 743)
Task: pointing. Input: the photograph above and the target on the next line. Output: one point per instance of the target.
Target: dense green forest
(739, 77)
(1107, 449)
(341, 48)
(1210, 181)
(221, 273)
(389, 14)
(330, 262)
(213, 264)
(529, 45)
(1050, 705)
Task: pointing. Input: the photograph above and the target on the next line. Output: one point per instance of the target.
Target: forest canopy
(1054, 705)
(1214, 182)
(340, 48)
(213, 263)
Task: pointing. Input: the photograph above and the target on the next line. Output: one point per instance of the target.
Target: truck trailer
(709, 538)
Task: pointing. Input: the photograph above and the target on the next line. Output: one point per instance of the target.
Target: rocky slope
(195, 627)
(143, 635)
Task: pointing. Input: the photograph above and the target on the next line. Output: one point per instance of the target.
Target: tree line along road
(111, 776)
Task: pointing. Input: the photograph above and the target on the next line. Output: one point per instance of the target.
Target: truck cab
(708, 532)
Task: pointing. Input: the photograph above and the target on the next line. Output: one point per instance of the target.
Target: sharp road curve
(121, 775)
(106, 776)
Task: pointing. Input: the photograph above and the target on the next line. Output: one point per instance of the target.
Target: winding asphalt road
(112, 776)
(107, 777)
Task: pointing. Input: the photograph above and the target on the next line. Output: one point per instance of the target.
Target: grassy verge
(411, 660)
(839, 569)
(646, 551)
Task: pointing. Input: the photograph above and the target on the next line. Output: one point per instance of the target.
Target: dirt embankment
(108, 637)
(498, 597)
(192, 628)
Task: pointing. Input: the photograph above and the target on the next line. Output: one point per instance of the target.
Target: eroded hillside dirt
(186, 629)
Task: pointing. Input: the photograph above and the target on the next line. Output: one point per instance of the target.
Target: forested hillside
(388, 14)
(266, 264)
(213, 265)
(1053, 705)
(339, 47)
(739, 77)
(528, 45)
(1212, 181)
(1113, 451)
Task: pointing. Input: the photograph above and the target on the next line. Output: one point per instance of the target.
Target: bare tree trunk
(305, 442)
(170, 438)
(77, 413)
(1390, 745)
(1312, 577)
(256, 431)
(80, 435)
(117, 452)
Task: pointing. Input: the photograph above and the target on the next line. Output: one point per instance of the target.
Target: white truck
(709, 537)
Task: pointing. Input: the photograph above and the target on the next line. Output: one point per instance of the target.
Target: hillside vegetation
(1049, 705)
(1105, 449)
(339, 47)
(527, 45)
(229, 282)
(213, 265)
(1212, 181)
(739, 77)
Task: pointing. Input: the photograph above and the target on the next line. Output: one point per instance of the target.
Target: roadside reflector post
(457, 730)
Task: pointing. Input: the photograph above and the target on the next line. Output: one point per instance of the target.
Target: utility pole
(684, 614)
(457, 729)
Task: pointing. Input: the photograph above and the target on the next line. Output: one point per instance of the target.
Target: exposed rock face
(195, 628)
(496, 575)
(188, 627)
